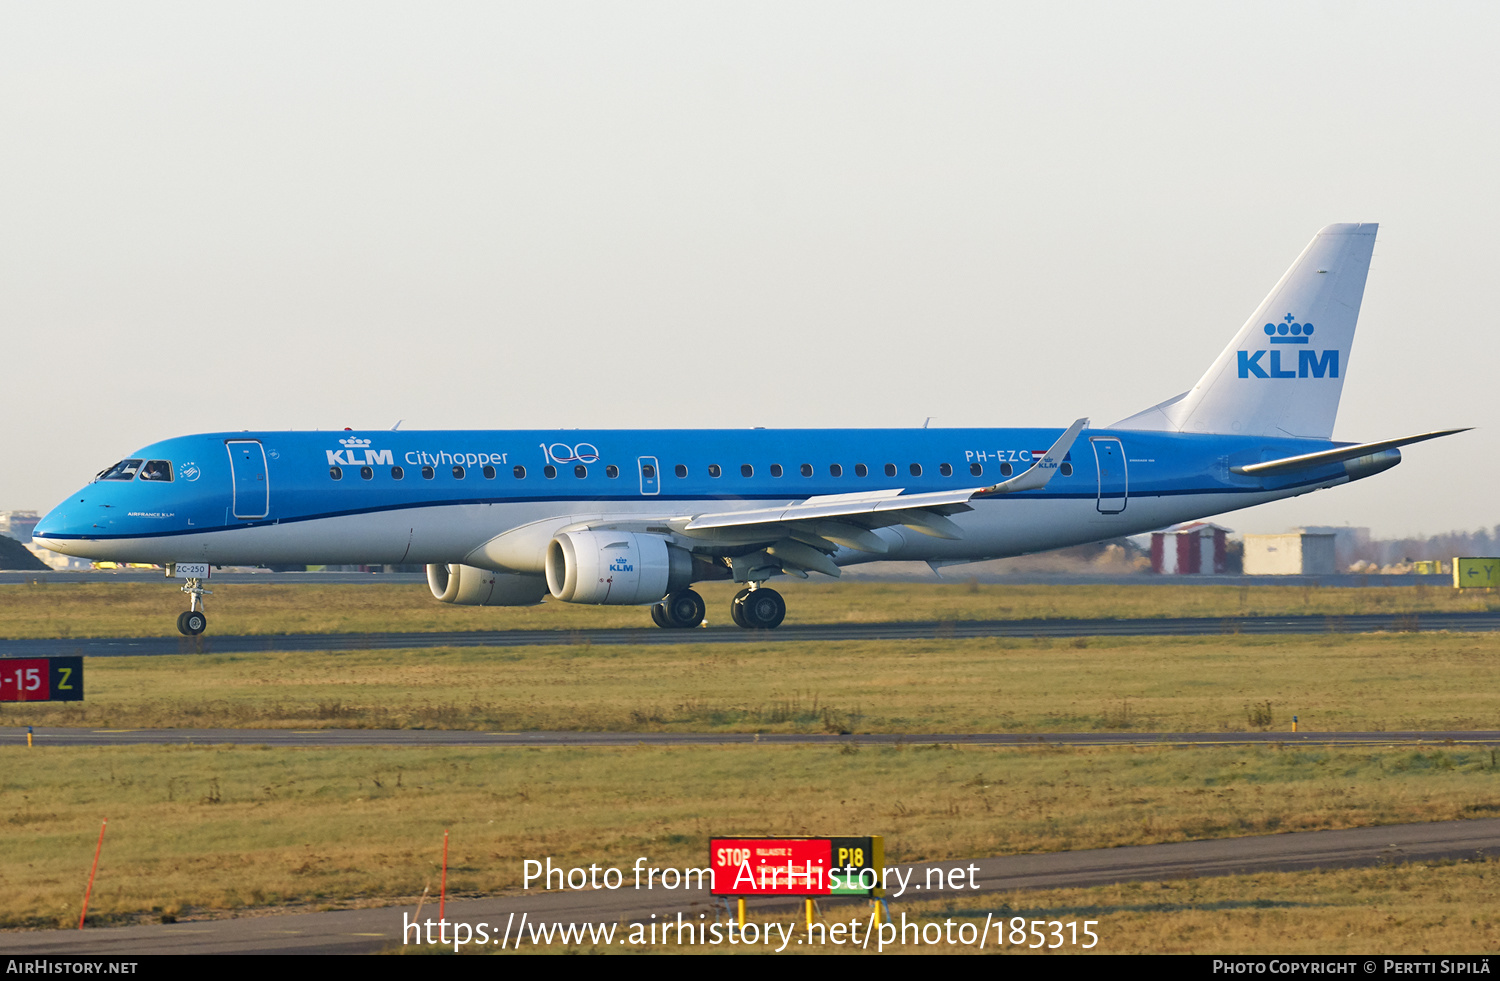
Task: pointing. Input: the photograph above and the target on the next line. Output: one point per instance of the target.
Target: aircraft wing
(801, 537)
(858, 504)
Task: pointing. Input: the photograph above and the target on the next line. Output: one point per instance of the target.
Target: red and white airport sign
(797, 865)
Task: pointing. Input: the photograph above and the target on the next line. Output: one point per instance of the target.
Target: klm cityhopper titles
(638, 517)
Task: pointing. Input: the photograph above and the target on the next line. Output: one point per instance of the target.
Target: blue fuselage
(427, 497)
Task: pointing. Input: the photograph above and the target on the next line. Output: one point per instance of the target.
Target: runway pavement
(324, 738)
(373, 930)
(923, 630)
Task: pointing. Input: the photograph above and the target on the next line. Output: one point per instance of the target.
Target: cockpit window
(124, 470)
(157, 470)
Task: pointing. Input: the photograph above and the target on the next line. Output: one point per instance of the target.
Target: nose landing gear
(194, 621)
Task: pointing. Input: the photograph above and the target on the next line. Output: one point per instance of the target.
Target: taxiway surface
(924, 630)
(367, 931)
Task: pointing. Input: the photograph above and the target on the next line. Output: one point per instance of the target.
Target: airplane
(506, 518)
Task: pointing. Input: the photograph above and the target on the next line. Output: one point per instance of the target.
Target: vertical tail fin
(1283, 373)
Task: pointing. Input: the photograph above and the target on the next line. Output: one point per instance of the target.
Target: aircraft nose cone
(47, 527)
(53, 531)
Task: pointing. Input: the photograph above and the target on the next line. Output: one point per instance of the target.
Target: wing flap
(888, 502)
(815, 507)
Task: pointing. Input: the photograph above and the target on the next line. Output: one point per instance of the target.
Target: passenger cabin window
(489, 472)
(805, 470)
(124, 470)
(337, 473)
(611, 471)
(520, 473)
(946, 469)
(746, 470)
(916, 469)
(680, 470)
(775, 470)
(890, 470)
(647, 471)
(458, 473)
(157, 470)
(713, 470)
(549, 471)
(860, 470)
(580, 471)
(1067, 469)
(397, 473)
(835, 470)
(1005, 469)
(367, 473)
(976, 469)
(428, 473)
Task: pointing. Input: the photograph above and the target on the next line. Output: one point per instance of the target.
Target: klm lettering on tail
(1310, 364)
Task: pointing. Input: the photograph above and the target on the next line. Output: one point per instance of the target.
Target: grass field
(218, 829)
(1231, 683)
(221, 828)
(134, 609)
(1417, 908)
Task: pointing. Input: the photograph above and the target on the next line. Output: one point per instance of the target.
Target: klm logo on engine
(357, 453)
(622, 564)
(1310, 364)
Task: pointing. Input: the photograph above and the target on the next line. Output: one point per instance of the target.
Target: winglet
(1042, 470)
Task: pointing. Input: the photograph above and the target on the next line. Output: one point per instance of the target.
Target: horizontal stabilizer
(1339, 454)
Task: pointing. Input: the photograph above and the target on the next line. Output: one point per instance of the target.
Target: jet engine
(615, 567)
(468, 586)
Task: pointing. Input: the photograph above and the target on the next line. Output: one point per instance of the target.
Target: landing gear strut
(683, 609)
(194, 621)
(758, 608)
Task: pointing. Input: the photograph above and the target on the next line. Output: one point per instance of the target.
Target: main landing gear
(755, 608)
(758, 608)
(194, 621)
(684, 609)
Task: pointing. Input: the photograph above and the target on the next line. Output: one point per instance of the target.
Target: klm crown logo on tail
(1310, 364)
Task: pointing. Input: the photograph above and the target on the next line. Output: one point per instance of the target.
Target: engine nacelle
(465, 585)
(615, 567)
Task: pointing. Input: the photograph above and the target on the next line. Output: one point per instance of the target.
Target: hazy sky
(261, 216)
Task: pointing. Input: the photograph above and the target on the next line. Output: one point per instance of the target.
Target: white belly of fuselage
(460, 533)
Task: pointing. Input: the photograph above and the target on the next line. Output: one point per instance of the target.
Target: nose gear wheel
(192, 622)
